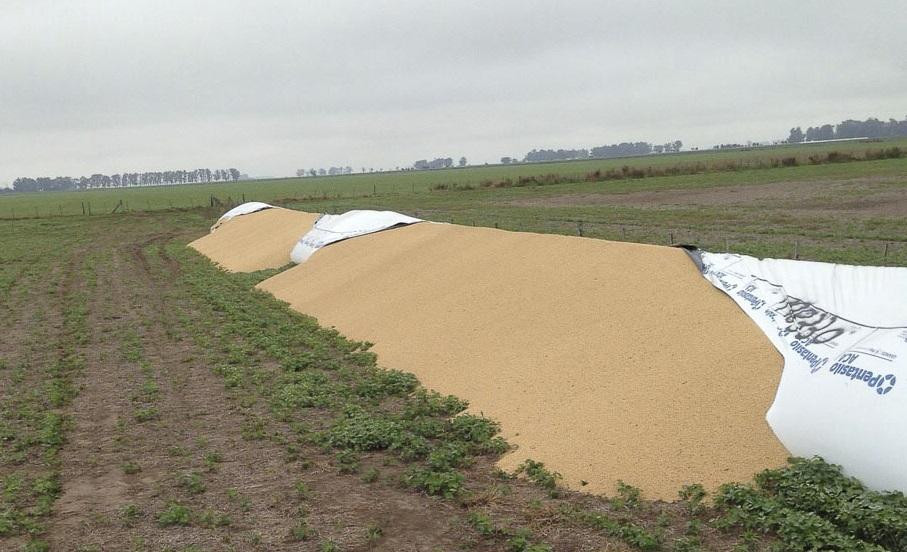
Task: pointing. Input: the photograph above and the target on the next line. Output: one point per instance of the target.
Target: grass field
(393, 184)
(149, 401)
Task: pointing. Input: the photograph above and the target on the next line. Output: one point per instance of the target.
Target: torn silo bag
(842, 331)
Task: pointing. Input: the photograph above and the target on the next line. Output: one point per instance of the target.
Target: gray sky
(272, 86)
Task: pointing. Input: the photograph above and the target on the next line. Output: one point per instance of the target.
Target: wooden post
(83, 208)
(672, 238)
(885, 258)
(579, 228)
(797, 249)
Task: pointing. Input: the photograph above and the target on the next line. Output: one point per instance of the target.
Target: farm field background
(212, 417)
(24, 205)
(848, 212)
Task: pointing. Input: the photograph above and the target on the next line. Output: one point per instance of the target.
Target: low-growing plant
(192, 482)
(146, 414)
(692, 496)
(373, 532)
(538, 474)
(810, 504)
(628, 497)
(370, 475)
(482, 523)
(174, 514)
(447, 483)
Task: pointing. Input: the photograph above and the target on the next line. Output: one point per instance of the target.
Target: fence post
(796, 249)
(672, 238)
(885, 258)
(83, 208)
(579, 228)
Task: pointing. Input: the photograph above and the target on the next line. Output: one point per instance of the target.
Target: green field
(747, 167)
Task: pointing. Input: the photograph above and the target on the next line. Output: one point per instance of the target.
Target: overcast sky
(271, 86)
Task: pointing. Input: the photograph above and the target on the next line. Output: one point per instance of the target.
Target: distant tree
(300, 172)
(796, 136)
(462, 162)
(677, 145)
(623, 149)
(851, 128)
(505, 160)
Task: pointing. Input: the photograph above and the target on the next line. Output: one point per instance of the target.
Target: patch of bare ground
(873, 196)
(152, 428)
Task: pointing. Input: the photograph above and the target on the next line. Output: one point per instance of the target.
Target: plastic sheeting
(333, 228)
(842, 331)
(244, 209)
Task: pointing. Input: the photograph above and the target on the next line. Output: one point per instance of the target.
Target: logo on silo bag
(808, 322)
(882, 384)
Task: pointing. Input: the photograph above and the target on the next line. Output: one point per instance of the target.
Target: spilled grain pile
(255, 241)
(605, 360)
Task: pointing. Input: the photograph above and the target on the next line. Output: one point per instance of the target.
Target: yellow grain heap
(256, 241)
(605, 360)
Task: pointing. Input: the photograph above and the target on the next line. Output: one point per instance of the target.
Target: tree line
(437, 163)
(870, 128)
(125, 180)
(623, 149)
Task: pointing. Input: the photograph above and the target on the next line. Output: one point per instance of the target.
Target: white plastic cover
(244, 209)
(842, 331)
(333, 228)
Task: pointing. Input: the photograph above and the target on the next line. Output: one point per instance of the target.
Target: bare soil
(876, 196)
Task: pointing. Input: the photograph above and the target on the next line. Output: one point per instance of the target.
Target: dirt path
(152, 426)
